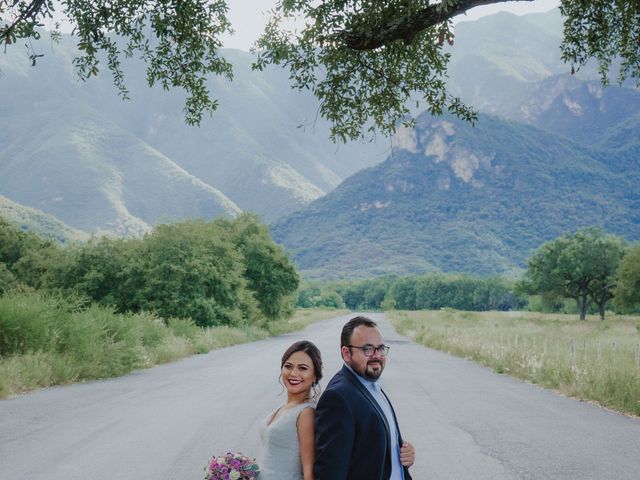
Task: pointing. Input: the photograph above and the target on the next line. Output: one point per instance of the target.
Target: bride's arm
(306, 437)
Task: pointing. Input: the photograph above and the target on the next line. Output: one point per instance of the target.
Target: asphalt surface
(465, 421)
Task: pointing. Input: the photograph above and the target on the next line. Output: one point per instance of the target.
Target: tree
(627, 291)
(7, 279)
(364, 60)
(317, 294)
(605, 259)
(192, 269)
(581, 266)
(24, 257)
(353, 295)
(179, 40)
(269, 273)
(14, 243)
(365, 294)
(308, 295)
(330, 299)
(40, 268)
(375, 291)
(102, 270)
(403, 293)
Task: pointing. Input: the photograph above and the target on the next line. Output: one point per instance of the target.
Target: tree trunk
(601, 306)
(582, 307)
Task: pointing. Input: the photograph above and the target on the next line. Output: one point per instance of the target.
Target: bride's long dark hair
(310, 349)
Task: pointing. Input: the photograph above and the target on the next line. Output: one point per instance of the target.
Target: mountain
(264, 147)
(556, 153)
(76, 151)
(47, 226)
(94, 176)
(453, 197)
(510, 66)
(580, 110)
(498, 59)
(622, 140)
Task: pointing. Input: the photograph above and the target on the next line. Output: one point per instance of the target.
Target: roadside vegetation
(103, 308)
(112, 305)
(571, 323)
(222, 272)
(590, 360)
(50, 340)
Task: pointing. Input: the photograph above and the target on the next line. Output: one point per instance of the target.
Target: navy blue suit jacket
(352, 434)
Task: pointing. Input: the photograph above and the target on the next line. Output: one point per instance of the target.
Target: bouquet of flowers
(232, 466)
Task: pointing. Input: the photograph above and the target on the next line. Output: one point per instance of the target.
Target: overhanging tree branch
(31, 11)
(180, 41)
(406, 27)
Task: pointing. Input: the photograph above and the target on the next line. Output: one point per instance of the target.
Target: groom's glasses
(369, 349)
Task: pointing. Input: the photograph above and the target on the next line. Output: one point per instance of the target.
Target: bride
(287, 437)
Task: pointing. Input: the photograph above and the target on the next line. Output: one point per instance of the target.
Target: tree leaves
(365, 60)
(581, 266)
(182, 49)
(223, 272)
(627, 291)
(361, 90)
(606, 31)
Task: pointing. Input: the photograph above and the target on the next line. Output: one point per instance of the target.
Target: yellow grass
(593, 360)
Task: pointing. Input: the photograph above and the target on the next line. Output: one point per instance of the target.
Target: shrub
(27, 322)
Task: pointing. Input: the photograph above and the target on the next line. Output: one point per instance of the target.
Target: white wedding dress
(280, 450)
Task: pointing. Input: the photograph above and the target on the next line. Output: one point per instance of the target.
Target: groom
(357, 434)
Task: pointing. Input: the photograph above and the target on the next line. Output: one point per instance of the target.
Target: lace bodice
(279, 457)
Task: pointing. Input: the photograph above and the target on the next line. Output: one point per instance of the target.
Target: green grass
(593, 360)
(47, 340)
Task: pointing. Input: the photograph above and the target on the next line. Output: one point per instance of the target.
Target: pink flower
(232, 466)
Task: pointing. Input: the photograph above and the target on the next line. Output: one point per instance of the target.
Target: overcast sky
(248, 16)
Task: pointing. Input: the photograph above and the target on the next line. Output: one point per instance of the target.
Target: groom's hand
(407, 454)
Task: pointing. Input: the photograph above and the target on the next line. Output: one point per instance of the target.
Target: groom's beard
(371, 372)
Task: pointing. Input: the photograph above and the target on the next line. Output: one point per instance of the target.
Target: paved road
(164, 423)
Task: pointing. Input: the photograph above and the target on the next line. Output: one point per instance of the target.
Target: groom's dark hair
(351, 325)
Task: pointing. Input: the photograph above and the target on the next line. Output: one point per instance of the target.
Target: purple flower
(232, 466)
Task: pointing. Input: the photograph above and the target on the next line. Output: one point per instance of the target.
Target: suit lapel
(352, 378)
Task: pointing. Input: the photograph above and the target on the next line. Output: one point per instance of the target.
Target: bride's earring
(316, 389)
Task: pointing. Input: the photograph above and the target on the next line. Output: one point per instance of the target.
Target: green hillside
(95, 176)
(32, 220)
(458, 198)
(622, 140)
(123, 165)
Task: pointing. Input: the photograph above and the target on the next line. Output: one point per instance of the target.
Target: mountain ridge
(250, 154)
(36, 221)
(562, 141)
(457, 198)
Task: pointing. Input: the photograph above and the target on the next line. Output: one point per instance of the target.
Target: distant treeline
(428, 292)
(222, 272)
(583, 272)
